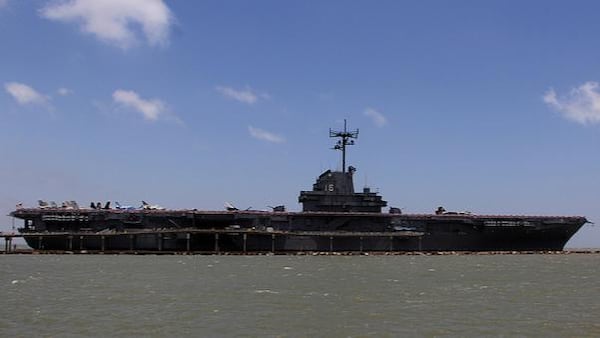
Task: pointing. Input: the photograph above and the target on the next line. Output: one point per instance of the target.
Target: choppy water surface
(333, 296)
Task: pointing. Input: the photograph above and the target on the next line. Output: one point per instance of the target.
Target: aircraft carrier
(334, 218)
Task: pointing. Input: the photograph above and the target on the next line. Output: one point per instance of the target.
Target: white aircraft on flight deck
(123, 207)
(147, 206)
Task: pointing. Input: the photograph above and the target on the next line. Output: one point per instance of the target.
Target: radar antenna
(346, 137)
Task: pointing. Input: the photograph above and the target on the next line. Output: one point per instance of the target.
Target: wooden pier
(162, 241)
(76, 243)
(9, 247)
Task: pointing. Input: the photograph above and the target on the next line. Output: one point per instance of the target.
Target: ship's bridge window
(29, 224)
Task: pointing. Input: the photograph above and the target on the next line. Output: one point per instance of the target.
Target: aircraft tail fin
(230, 207)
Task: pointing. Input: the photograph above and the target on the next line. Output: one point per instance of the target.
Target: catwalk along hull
(281, 232)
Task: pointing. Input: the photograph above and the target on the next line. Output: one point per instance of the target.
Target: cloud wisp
(116, 21)
(378, 118)
(62, 91)
(151, 109)
(581, 104)
(24, 94)
(246, 95)
(264, 135)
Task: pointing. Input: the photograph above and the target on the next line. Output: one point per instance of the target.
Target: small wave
(266, 291)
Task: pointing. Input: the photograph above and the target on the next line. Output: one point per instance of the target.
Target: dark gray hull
(239, 232)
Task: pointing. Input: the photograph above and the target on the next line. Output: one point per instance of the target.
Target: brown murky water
(300, 296)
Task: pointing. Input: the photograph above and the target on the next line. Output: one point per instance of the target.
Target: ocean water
(300, 296)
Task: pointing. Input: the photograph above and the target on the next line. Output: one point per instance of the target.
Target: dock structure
(79, 244)
(201, 241)
(210, 241)
(8, 241)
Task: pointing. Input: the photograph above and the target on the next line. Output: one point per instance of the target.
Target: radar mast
(346, 139)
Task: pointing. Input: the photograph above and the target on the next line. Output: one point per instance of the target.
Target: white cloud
(265, 135)
(24, 94)
(64, 91)
(378, 119)
(246, 95)
(150, 109)
(581, 104)
(114, 21)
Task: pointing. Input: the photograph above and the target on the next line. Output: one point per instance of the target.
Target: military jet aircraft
(123, 207)
(147, 206)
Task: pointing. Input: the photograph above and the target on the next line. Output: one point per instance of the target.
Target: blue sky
(491, 107)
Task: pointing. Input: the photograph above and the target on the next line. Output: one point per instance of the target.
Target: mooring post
(330, 244)
(6, 244)
(70, 240)
(80, 243)
(217, 242)
(159, 238)
(103, 243)
(131, 242)
(9, 244)
(188, 237)
(40, 243)
(361, 243)
(391, 243)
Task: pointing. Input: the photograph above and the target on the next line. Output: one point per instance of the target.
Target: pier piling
(188, 237)
(273, 243)
(7, 244)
